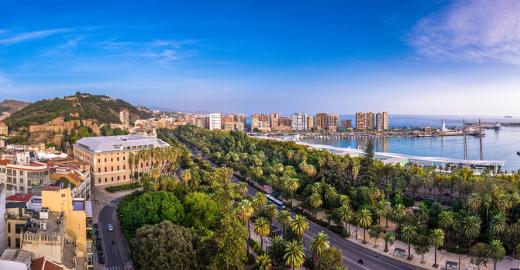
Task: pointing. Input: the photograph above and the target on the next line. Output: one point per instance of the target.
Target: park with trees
(460, 211)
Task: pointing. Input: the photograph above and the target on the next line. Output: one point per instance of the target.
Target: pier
(393, 158)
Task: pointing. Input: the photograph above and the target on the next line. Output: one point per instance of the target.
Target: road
(117, 255)
(351, 252)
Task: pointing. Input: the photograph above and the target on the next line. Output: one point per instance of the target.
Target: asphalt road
(117, 255)
(351, 252)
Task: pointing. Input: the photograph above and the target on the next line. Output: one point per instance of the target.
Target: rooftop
(20, 197)
(16, 255)
(119, 143)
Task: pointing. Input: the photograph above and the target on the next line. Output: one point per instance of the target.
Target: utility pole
(480, 139)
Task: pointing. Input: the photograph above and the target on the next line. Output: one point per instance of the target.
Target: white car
(110, 227)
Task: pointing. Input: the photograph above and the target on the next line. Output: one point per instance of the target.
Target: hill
(100, 108)
(12, 105)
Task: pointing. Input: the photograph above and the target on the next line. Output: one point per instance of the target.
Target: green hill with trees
(101, 108)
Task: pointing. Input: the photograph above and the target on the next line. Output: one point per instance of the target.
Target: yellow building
(77, 214)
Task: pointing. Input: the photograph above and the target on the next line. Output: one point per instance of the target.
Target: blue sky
(405, 57)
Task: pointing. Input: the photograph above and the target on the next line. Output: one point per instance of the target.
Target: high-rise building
(322, 121)
(124, 117)
(333, 122)
(382, 121)
(299, 121)
(361, 121)
(260, 122)
(285, 124)
(345, 124)
(274, 119)
(370, 121)
(215, 121)
(310, 122)
(379, 121)
(386, 120)
(228, 122)
(22, 174)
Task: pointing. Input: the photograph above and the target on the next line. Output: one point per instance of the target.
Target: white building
(299, 121)
(215, 121)
(15, 259)
(22, 174)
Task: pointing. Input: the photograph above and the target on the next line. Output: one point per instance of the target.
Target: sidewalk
(429, 257)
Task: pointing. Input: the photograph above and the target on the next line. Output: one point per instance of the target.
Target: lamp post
(458, 251)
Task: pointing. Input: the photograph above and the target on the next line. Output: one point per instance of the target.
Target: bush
(122, 187)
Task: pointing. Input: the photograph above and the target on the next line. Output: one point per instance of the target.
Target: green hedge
(122, 187)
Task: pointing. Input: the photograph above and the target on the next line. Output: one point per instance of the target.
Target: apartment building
(260, 122)
(361, 121)
(233, 122)
(108, 156)
(299, 121)
(382, 121)
(345, 124)
(214, 121)
(322, 121)
(333, 122)
(274, 121)
(23, 174)
(310, 122)
(15, 259)
(370, 121)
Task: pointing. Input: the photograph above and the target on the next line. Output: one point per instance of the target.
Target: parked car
(110, 227)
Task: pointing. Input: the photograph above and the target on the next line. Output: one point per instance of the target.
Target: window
(99, 180)
(9, 241)
(9, 228)
(112, 168)
(99, 169)
(124, 167)
(112, 179)
(105, 159)
(124, 177)
(17, 242)
(118, 178)
(105, 169)
(117, 158)
(118, 167)
(99, 160)
(106, 179)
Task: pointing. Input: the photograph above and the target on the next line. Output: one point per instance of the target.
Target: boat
(518, 153)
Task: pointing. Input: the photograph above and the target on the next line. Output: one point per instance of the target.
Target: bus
(275, 201)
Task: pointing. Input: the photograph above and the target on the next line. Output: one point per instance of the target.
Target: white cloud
(473, 31)
(21, 37)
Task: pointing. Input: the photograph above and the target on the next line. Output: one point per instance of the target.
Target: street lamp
(458, 251)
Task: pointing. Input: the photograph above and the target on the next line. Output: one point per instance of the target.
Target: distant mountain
(101, 108)
(12, 105)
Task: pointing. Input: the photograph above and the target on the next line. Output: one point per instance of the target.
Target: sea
(501, 144)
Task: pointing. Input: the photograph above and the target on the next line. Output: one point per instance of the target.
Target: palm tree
(470, 228)
(263, 262)
(294, 254)
(346, 214)
(271, 211)
(436, 239)
(285, 219)
(497, 252)
(408, 233)
(364, 219)
(259, 201)
(245, 212)
(375, 232)
(263, 229)
(131, 164)
(320, 244)
(299, 225)
(399, 214)
(389, 238)
(291, 184)
(474, 201)
(498, 224)
(316, 202)
(241, 188)
(384, 209)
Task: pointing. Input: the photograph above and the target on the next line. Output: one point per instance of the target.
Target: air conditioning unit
(43, 226)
